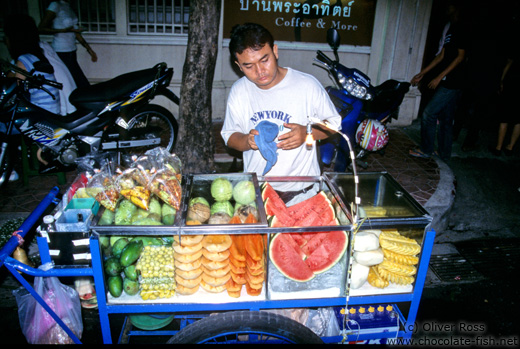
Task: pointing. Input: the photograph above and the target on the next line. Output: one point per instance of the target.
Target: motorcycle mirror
(333, 38)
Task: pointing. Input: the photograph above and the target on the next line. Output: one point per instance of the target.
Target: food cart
(362, 313)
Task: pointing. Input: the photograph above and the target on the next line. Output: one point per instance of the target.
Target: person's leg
(502, 129)
(445, 134)
(70, 60)
(514, 137)
(429, 121)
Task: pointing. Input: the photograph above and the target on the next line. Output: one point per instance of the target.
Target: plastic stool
(30, 165)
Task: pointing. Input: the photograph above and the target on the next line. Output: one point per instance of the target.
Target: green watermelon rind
(272, 257)
(336, 260)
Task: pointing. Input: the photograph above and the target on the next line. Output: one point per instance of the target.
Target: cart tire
(236, 326)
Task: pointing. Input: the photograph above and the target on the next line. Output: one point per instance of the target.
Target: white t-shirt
(65, 18)
(294, 99)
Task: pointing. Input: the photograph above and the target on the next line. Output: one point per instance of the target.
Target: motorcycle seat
(387, 95)
(98, 95)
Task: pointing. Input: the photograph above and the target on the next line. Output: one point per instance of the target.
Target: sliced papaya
(235, 220)
(237, 248)
(240, 279)
(237, 263)
(254, 246)
(251, 218)
(251, 291)
(252, 264)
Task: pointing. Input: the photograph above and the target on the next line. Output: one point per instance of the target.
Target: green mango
(139, 214)
(149, 240)
(104, 241)
(131, 253)
(115, 285)
(114, 238)
(113, 266)
(154, 216)
(168, 214)
(124, 212)
(155, 206)
(107, 218)
(118, 246)
(131, 272)
(130, 287)
(147, 221)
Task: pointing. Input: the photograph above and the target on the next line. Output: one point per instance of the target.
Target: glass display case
(391, 229)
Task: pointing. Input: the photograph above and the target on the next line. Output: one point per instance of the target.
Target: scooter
(356, 100)
(113, 116)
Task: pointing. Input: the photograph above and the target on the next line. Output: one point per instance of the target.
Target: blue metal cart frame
(407, 321)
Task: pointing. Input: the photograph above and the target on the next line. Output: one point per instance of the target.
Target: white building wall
(396, 52)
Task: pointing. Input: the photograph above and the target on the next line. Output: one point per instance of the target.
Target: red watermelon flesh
(328, 253)
(289, 239)
(316, 218)
(269, 192)
(273, 209)
(287, 260)
(299, 238)
(314, 242)
(311, 203)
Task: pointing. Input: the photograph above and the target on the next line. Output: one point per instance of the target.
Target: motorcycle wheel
(152, 120)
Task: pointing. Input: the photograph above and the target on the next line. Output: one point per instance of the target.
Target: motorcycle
(364, 109)
(114, 116)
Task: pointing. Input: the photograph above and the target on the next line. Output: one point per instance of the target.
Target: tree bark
(196, 145)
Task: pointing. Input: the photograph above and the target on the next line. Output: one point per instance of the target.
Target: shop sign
(305, 20)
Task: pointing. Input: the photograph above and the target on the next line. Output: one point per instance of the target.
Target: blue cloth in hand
(268, 132)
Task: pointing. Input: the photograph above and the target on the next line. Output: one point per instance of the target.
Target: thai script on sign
(322, 9)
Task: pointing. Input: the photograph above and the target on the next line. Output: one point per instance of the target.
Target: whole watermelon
(221, 189)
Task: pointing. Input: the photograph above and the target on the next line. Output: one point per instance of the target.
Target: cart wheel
(245, 327)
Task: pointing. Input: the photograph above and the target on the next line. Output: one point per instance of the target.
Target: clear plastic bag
(166, 182)
(37, 324)
(102, 187)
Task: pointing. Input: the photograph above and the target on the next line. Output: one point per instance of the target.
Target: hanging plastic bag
(166, 182)
(36, 323)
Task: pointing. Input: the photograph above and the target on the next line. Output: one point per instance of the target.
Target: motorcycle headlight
(355, 89)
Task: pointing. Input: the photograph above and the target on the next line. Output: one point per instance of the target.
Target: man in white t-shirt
(283, 96)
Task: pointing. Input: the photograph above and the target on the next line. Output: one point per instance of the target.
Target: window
(162, 17)
(95, 16)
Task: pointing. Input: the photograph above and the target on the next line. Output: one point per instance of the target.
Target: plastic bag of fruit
(132, 189)
(102, 187)
(166, 182)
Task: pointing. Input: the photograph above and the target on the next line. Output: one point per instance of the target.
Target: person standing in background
(60, 21)
(448, 88)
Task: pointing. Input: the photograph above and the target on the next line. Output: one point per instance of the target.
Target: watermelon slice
(328, 253)
(273, 209)
(295, 245)
(299, 238)
(314, 242)
(311, 203)
(287, 260)
(269, 192)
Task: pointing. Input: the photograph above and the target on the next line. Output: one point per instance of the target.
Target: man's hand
(251, 139)
(294, 138)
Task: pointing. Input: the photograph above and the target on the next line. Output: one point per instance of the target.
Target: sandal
(418, 153)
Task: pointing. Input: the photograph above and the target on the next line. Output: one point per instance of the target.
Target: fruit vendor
(270, 94)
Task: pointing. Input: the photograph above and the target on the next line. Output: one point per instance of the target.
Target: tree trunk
(196, 145)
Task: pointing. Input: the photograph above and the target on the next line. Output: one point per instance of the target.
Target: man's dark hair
(249, 36)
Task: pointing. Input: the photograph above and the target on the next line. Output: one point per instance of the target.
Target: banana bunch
(156, 265)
